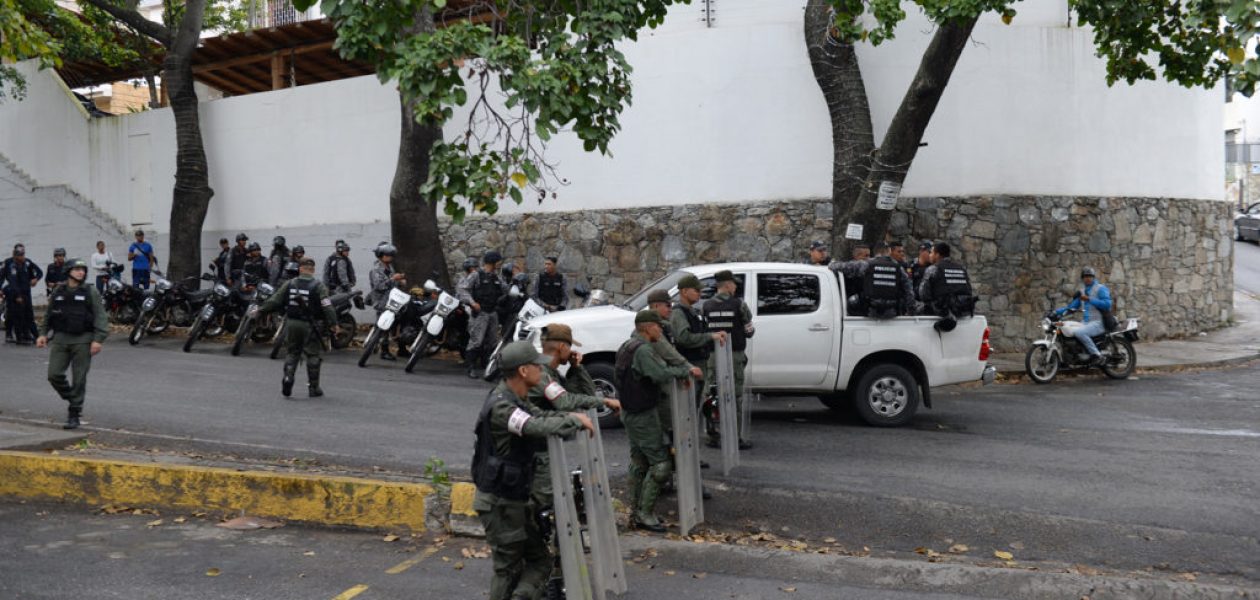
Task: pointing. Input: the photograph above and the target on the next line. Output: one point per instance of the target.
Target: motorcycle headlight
(221, 290)
(115, 285)
(163, 285)
(266, 289)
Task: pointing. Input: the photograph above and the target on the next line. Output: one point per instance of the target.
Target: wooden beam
(277, 71)
(223, 84)
(261, 56)
(242, 80)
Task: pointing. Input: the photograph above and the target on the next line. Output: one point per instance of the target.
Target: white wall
(722, 114)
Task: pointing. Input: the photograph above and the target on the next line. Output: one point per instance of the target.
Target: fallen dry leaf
(921, 550)
(671, 573)
(458, 566)
(1187, 576)
(829, 540)
(213, 572)
(699, 575)
(788, 589)
(390, 538)
(154, 523)
(958, 548)
(180, 519)
(247, 523)
(1003, 555)
(309, 553)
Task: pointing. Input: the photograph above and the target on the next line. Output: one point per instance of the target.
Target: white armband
(554, 391)
(517, 421)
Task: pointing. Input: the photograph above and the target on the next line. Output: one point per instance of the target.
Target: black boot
(312, 374)
(475, 370)
(286, 384)
(72, 419)
(385, 353)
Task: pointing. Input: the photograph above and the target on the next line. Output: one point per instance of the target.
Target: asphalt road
(1247, 267)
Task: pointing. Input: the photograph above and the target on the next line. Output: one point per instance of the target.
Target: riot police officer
(727, 313)
(510, 434)
(17, 277)
(886, 289)
(818, 254)
(552, 291)
(223, 261)
(339, 270)
(77, 323)
(291, 266)
(483, 291)
(920, 267)
(854, 271)
(255, 265)
(946, 288)
(383, 278)
(237, 257)
(691, 337)
(306, 300)
(55, 274)
(277, 259)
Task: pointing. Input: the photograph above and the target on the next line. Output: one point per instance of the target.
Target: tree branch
(134, 19)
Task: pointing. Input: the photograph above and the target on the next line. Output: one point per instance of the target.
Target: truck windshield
(638, 301)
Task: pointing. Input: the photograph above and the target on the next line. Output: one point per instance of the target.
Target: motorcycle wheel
(1041, 364)
(417, 351)
(1125, 358)
(194, 334)
(137, 333)
(277, 343)
(349, 326)
(242, 334)
(369, 346)
(157, 324)
(492, 373)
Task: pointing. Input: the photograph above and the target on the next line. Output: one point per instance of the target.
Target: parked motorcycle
(168, 305)
(210, 320)
(1059, 350)
(255, 327)
(342, 305)
(590, 297)
(436, 331)
(122, 301)
(397, 306)
(514, 329)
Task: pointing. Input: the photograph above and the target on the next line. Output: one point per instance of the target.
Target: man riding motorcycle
(1095, 299)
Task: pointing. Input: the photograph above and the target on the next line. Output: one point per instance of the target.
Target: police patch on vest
(554, 391)
(517, 421)
(325, 302)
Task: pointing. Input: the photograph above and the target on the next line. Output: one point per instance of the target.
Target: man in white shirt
(100, 266)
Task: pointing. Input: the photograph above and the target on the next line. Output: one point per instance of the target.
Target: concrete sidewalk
(1238, 343)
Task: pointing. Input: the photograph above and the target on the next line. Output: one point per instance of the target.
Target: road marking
(411, 562)
(352, 592)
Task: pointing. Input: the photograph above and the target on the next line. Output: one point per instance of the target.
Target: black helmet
(342, 246)
(470, 263)
(75, 263)
(521, 279)
(241, 237)
(386, 250)
(59, 252)
(253, 247)
(1089, 272)
(492, 257)
(277, 241)
(298, 249)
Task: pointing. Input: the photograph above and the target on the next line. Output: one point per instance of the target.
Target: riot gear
(512, 476)
(487, 291)
(304, 300)
(551, 289)
(636, 395)
(951, 289)
(881, 288)
(725, 315)
(70, 311)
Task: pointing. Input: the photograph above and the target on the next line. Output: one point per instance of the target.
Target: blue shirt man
(142, 260)
(1095, 299)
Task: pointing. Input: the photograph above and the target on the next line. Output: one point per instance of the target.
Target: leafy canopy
(1191, 42)
(533, 69)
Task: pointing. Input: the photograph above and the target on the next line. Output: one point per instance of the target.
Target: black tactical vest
(509, 477)
(551, 288)
(304, 299)
(637, 394)
(881, 287)
(70, 311)
(487, 291)
(695, 325)
(951, 288)
(725, 315)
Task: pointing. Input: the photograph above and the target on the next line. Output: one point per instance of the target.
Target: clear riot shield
(745, 413)
(687, 457)
(604, 573)
(728, 412)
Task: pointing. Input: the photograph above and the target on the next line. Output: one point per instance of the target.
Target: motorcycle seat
(340, 299)
(196, 295)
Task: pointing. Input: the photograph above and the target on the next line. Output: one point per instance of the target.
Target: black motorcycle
(122, 301)
(168, 305)
(343, 304)
(210, 320)
(255, 327)
(1059, 350)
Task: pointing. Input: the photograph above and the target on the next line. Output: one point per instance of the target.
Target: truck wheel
(605, 377)
(887, 395)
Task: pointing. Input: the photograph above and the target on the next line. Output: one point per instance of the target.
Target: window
(786, 294)
(708, 287)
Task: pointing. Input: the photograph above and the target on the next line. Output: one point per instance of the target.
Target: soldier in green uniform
(727, 313)
(658, 302)
(510, 434)
(306, 300)
(76, 315)
(692, 339)
(641, 374)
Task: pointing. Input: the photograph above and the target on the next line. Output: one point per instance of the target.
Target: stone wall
(1167, 261)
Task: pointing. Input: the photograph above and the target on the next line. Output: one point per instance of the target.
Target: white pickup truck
(805, 344)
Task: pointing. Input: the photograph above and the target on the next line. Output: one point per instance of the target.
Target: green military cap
(721, 276)
(655, 296)
(559, 332)
(648, 316)
(519, 354)
(689, 282)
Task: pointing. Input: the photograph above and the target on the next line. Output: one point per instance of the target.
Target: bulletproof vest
(511, 476)
(695, 325)
(725, 315)
(70, 311)
(304, 299)
(256, 267)
(331, 276)
(551, 288)
(951, 288)
(637, 394)
(881, 287)
(487, 291)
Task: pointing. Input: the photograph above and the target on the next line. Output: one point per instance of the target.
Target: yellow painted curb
(462, 499)
(329, 500)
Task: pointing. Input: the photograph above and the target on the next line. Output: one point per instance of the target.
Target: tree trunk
(413, 219)
(900, 145)
(839, 75)
(192, 192)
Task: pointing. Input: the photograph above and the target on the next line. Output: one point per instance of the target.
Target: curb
(463, 519)
(322, 500)
(1019, 372)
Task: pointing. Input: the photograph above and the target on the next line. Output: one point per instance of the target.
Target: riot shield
(745, 413)
(687, 457)
(728, 412)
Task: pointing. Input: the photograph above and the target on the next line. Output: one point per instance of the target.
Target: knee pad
(660, 472)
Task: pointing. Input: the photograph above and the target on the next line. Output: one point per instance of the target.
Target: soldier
(510, 435)
(55, 274)
(236, 258)
(17, 277)
(641, 374)
(338, 270)
(223, 261)
(291, 267)
(76, 315)
(886, 289)
(727, 313)
(255, 265)
(305, 299)
(483, 291)
(691, 337)
(946, 289)
(552, 291)
(384, 279)
(659, 303)
(853, 272)
(278, 258)
(920, 267)
(818, 254)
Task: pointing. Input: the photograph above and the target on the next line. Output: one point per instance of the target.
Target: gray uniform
(483, 325)
(380, 278)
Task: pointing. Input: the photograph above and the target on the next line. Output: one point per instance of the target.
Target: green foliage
(543, 67)
(435, 471)
(22, 39)
(1191, 42)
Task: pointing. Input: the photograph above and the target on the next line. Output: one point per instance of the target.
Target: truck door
(795, 340)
